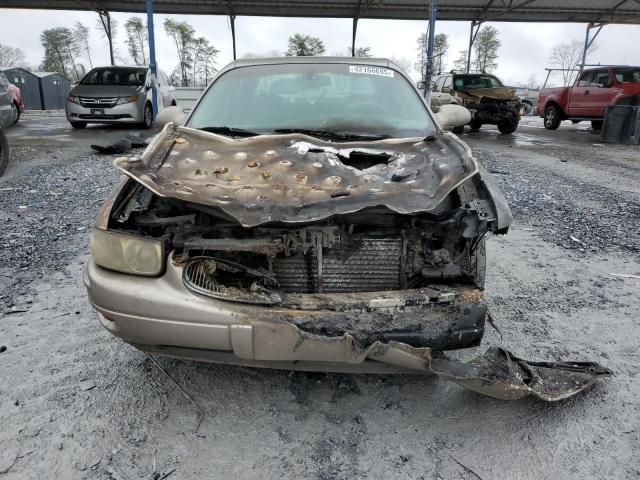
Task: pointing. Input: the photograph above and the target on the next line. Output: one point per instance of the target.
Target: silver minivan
(117, 95)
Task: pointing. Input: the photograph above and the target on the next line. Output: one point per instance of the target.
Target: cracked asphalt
(77, 403)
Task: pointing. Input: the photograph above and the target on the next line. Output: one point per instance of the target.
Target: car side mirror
(176, 115)
(420, 85)
(446, 90)
(451, 115)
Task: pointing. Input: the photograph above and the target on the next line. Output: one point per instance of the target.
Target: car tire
(16, 113)
(147, 115)
(509, 126)
(479, 264)
(4, 152)
(552, 117)
(596, 124)
(475, 126)
(458, 130)
(527, 107)
(78, 125)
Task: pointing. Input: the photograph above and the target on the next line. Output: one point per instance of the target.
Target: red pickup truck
(593, 91)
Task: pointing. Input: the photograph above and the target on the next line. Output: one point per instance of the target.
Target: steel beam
(152, 59)
(433, 12)
(588, 40)
(473, 33)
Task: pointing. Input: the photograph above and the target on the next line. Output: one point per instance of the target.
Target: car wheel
(509, 126)
(15, 112)
(4, 152)
(475, 126)
(458, 130)
(147, 116)
(527, 107)
(596, 124)
(78, 125)
(479, 264)
(552, 117)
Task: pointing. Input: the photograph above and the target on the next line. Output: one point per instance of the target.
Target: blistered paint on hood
(499, 93)
(297, 178)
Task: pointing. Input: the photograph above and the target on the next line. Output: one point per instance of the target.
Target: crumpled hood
(297, 178)
(500, 93)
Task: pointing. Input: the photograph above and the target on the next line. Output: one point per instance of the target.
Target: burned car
(489, 101)
(310, 213)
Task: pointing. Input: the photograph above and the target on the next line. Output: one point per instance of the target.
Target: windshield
(355, 99)
(628, 75)
(115, 76)
(463, 82)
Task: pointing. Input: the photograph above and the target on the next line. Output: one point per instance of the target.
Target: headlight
(74, 99)
(127, 253)
(130, 99)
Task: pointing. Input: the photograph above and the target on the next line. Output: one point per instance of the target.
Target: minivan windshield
(462, 82)
(115, 76)
(332, 98)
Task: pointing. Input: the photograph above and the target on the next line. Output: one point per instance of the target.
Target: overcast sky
(525, 46)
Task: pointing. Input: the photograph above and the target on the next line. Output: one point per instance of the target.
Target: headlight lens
(127, 253)
(74, 99)
(130, 99)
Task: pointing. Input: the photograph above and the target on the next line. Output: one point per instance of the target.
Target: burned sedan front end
(289, 250)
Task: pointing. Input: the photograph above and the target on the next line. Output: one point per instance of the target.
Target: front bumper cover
(163, 317)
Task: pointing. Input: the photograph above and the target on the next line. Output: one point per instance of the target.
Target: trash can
(621, 125)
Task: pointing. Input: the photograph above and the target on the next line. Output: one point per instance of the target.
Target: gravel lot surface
(77, 403)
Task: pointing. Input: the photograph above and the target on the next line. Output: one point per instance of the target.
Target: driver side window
(601, 79)
(448, 82)
(585, 80)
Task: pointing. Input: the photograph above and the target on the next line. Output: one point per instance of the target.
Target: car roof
(379, 62)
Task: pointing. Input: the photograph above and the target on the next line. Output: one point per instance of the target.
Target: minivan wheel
(147, 116)
(15, 111)
(78, 125)
(4, 152)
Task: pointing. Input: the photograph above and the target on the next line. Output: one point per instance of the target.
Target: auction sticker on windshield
(385, 72)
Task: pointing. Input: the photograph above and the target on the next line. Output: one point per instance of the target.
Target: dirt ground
(77, 403)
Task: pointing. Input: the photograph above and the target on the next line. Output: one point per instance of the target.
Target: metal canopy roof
(584, 11)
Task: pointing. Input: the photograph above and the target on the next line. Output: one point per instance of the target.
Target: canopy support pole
(353, 36)
(152, 58)
(473, 33)
(232, 21)
(433, 11)
(588, 40)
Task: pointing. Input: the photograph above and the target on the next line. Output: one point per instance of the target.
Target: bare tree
(533, 82)
(11, 56)
(486, 49)
(137, 38)
(61, 52)
(460, 64)
(567, 57)
(304, 46)
(403, 62)
(183, 36)
(109, 30)
(81, 37)
(440, 49)
(363, 52)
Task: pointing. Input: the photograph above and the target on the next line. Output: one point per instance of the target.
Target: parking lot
(76, 402)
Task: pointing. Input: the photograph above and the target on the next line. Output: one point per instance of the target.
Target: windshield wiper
(231, 131)
(332, 135)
